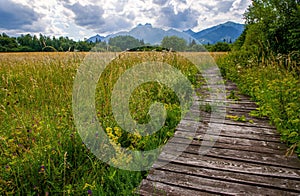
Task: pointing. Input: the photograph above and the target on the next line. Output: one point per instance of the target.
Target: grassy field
(41, 150)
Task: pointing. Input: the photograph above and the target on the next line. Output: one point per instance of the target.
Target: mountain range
(228, 31)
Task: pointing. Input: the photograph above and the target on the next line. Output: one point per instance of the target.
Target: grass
(274, 84)
(41, 150)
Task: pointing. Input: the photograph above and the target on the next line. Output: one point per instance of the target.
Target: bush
(220, 47)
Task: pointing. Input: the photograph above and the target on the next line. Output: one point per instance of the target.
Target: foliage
(149, 48)
(125, 42)
(265, 64)
(41, 152)
(272, 26)
(275, 89)
(174, 43)
(29, 43)
(220, 47)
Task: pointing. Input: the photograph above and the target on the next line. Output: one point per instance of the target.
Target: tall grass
(40, 149)
(274, 83)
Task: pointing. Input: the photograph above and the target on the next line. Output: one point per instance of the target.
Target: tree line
(170, 43)
(29, 43)
(272, 28)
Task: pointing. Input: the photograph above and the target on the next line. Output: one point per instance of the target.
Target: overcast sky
(85, 18)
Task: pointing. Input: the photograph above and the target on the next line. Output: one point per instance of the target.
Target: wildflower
(108, 129)
(118, 131)
(89, 192)
(109, 132)
(42, 169)
(7, 168)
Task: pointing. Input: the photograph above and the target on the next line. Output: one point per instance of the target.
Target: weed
(275, 89)
(40, 149)
(233, 96)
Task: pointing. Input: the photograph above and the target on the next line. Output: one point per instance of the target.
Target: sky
(85, 18)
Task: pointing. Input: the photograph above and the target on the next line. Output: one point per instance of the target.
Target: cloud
(89, 16)
(224, 6)
(68, 17)
(114, 23)
(181, 20)
(16, 16)
(92, 17)
(160, 2)
(239, 6)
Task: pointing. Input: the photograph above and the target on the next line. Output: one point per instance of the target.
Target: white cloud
(75, 18)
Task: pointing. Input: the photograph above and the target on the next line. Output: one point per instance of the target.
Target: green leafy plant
(275, 89)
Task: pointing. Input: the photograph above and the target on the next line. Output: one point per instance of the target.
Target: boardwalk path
(247, 159)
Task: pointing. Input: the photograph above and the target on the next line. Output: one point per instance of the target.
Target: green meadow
(41, 150)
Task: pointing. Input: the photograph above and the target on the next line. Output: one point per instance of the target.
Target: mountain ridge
(228, 31)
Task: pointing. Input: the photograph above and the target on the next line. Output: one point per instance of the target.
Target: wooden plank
(244, 156)
(235, 132)
(267, 159)
(233, 166)
(211, 185)
(158, 189)
(240, 139)
(253, 180)
(230, 139)
(234, 144)
(268, 132)
(227, 121)
(245, 102)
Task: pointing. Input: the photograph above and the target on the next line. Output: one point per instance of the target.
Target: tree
(273, 26)
(124, 42)
(7, 43)
(193, 43)
(83, 46)
(174, 43)
(220, 47)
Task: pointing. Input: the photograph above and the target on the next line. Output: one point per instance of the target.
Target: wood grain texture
(246, 158)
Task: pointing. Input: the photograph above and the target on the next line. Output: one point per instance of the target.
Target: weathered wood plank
(261, 132)
(244, 140)
(253, 180)
(235, 144)
(231, 122)
(233, 133)
(246, 158)
(239, 112)
(233, 166)
(158, 189)
(206, 184)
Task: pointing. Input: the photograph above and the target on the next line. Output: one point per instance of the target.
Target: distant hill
(96, 38)
(189, 32)
(151, 35)
(228, 31)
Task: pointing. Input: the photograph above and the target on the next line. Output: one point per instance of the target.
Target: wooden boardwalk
(247, 158)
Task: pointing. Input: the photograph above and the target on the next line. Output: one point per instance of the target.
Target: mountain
(151, 35)
(227, 31)
(189, 32)
(96, 38)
